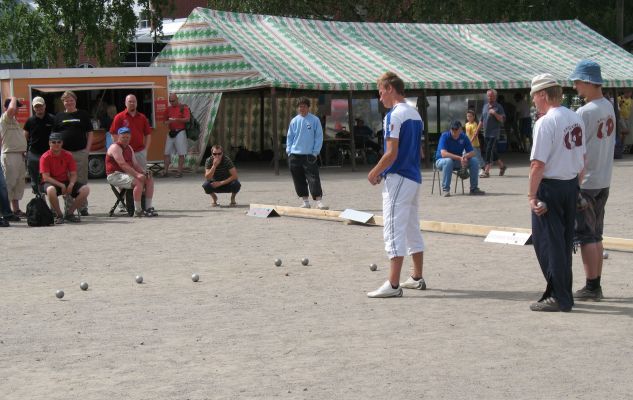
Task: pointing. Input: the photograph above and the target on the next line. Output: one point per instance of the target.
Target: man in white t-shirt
(556, 161)
(599, 118)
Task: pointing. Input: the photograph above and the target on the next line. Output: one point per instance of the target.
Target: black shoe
(12, 218)
(586, 294)
(4, 223)
(84, 212)
(477, 192)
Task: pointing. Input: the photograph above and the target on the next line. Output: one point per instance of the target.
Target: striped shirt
(221, 171)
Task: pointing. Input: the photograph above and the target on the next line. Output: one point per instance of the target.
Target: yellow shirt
(471, 128)
(625, 107)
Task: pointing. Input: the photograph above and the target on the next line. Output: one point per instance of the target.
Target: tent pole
(437, 106)
(273, 99)
(261, 121)
(425, 132)
(350, 118)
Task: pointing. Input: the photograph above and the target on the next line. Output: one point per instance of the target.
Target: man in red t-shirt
(176, 116)
(139, 127)
(59, 177)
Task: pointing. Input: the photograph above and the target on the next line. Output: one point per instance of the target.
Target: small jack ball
(83, 285)
(373, 267)
(305, 261)
(139, 279)
(278, 262)
(195, 277)
(59, 294)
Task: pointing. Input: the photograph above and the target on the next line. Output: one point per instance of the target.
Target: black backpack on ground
(38, 213)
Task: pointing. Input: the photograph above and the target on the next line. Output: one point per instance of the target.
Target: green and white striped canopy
(218, 51)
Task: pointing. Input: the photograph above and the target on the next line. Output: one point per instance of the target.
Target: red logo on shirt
(609, 125)
(574, 137)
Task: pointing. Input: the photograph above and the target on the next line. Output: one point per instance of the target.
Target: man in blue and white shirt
(400, 168)
(303, 144)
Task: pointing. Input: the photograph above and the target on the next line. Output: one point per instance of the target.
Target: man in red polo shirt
(59, 177)
(176, 117)
(139, 127)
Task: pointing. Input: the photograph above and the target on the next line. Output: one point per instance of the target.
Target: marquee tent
(218, 52)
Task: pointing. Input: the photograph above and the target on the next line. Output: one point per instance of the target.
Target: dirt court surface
(249, 329)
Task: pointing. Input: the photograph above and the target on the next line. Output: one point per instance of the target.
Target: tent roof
(222, 51)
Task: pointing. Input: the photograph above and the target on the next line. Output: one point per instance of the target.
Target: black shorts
(73, 193)
(491, 150)
(590, 221)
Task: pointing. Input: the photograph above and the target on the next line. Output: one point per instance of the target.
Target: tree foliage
(600, 16)
(54, 31)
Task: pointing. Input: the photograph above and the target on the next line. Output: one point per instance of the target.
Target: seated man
(221, 176)
(363, 136)
(454, 151)
(123, 171)
(59, 177)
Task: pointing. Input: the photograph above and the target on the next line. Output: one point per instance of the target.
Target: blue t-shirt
(403, 122)
(492, 127)
(455, 146)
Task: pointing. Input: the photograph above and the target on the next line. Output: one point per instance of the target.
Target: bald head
(130, 103)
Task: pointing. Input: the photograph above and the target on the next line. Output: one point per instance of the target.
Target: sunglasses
(56, 141)
(217, 154)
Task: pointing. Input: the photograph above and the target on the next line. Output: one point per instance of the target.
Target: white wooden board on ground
(357, 216)
(262, 212)
(506, 237)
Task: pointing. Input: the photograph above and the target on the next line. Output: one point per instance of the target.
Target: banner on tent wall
(23, 112)
(160, 107)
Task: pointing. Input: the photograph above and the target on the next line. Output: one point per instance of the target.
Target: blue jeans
(447, 165)
(5, 204)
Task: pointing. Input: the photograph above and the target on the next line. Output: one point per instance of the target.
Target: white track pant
(400, 198)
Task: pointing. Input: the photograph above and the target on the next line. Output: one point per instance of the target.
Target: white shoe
(322, 206)
(386, 291)
(413, 284)
(305, 205)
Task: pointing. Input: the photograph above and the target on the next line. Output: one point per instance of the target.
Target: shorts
(74, 193)
(120, 180)
(590, 221)
(491, 150)
(141, 158)
(231, 187)
(14, 172)
(177, 144)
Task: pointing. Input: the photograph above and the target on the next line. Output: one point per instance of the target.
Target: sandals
(150, 212)
(215, 204)
(484, 175)
(502, 170)
(233, 204)
(178, 175)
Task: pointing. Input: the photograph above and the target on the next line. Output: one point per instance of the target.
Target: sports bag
(38, 213)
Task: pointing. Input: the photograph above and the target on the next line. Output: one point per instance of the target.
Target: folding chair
(123, 196)
(437, 173)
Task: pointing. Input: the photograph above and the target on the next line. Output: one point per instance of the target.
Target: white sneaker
(386, 291)
(413, 284)
(305, 205)
(322, 206)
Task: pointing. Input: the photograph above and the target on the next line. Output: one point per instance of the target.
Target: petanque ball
(605, 255)
(59, 294)
(195, 277)
(373, 267)
(83, 285)
(278, 262)
(139, 279)
(305, 261)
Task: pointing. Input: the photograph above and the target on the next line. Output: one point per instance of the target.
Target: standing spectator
(221, 176)
(599, 119)
(37, 129)
(177, 116)
(59, 177)
(303, 144)
(139, 128)
(492, 118)
(625, 105)
(524, 118)
(399, 166)
(556, 162)
(75, 127)
(13, 151)
(471, 132)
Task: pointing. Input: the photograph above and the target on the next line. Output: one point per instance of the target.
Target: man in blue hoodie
(303, 144)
